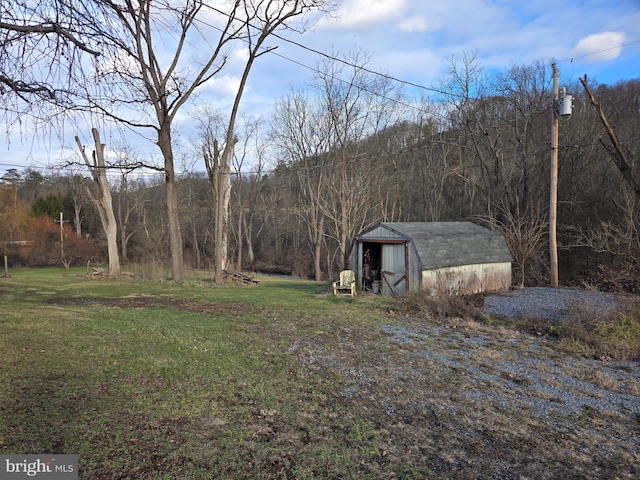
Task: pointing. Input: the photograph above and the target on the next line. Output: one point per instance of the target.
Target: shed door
(394, 270)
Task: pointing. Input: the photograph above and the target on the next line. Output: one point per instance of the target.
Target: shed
(438, 257)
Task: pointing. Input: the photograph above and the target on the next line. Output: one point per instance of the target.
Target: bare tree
(252, 148)
(100, 195)
(300, 130)
(475, 119)
(126, 207)
(437, 171)
(616, 151)
(255, 183)
(334, 143)
(525, 91)
(43, 47)
(359, 105)
(524, 233)
(212, 127)
(156, 71)
(262, 19)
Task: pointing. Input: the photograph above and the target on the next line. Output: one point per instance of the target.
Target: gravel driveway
(474, 401)
(550, 303)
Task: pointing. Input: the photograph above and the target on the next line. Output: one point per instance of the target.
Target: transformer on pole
(562, 106)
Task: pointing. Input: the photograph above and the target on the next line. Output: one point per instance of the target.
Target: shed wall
(414, 269)
(467, 279)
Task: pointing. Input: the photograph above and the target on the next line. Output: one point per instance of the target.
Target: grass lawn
(154, 380)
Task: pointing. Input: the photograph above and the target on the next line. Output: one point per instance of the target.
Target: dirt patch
(227, 309)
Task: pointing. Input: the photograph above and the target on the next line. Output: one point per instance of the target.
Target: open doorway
(371, 266)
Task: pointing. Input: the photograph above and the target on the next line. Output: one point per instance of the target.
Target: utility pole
(553, 195)
(562, 107)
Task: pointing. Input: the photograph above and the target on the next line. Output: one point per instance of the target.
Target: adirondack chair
(347, 283)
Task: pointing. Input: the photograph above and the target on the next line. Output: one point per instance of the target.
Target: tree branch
(618, 154)
(50, 28)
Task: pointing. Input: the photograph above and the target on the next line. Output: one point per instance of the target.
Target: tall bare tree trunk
(173, 217)
(317, 254)
(240, 236)
(101, 198)
(77, 209)
(222, 208)
(124, 212)
(248, 227)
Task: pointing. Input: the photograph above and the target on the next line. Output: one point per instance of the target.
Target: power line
(364, 69)
(333, 58)
(412, 84)
(615, 47)
(384, 75)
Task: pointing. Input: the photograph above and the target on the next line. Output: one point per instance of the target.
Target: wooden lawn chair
(346, 285)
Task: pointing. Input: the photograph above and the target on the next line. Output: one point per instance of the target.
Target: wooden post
(553, 195)
(61, 238)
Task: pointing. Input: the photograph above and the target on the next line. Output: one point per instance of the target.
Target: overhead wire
(615, 47)
(385, 75)
(332, 58)
(267, 171)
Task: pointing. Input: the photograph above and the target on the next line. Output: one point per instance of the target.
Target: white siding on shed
(467, 278)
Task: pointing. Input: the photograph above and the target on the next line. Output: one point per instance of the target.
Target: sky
(414, 41)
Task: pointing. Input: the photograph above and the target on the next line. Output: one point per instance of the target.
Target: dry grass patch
(607, 333)
(614, 336)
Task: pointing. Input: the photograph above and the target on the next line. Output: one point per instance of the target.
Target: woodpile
(99, 272)
(239, 277)
(103, 273)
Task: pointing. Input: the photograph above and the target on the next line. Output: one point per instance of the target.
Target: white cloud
(119, 62)
(239, 56)
(359, 13)
(224, 85)
(601, 46)
(414, 24)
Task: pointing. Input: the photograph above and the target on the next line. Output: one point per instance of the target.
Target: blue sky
(413, 40)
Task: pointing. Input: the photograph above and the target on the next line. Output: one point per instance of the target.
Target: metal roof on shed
(448, 244)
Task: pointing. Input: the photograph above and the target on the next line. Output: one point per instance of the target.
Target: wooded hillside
(344, 156)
